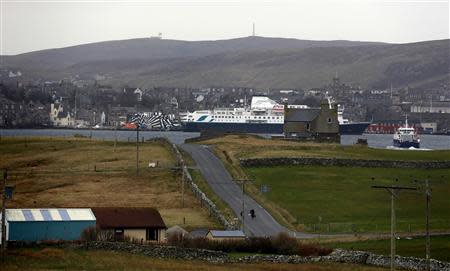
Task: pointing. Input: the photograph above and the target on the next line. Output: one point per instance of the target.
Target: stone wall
(205, 202)
(157, 251)
(270, 162)
(351, 257)
(337, 256)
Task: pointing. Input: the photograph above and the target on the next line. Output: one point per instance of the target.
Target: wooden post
(115, 138)
(427, 223)
(137, 149)
(5, 175)
(182, 184)
(243, 206)
(393, 191)
(392, 229)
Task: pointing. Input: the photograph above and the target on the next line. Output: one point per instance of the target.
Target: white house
(59, 117)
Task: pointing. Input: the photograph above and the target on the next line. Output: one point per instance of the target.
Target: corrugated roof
(61, 214)
(108, 217)
(301, 115)
(199, 233)
(215, 233)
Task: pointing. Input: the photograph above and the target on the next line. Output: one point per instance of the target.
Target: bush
(89, 234)
(280, 244)
(284, 244)
(313, 250)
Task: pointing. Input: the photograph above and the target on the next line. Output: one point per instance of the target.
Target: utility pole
(427, 223)
(115, 138)
(5, 175)
(137, 149)
(243, 203)
(393, 190)
(183, 168)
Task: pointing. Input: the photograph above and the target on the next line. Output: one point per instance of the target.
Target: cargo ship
(406, 137)
(263, 116)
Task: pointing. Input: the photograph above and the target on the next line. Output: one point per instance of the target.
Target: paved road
(215, 173)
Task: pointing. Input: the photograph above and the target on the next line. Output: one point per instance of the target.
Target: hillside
(253, 62)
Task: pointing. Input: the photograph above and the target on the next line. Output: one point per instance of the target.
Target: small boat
(406, 137)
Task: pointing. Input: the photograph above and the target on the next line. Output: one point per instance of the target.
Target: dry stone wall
(158, 251)
(306, 161)
(337, 256)
(351, 257)
(205, 202)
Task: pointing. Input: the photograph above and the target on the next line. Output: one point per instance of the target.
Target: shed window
(152, 235)
(329, 120)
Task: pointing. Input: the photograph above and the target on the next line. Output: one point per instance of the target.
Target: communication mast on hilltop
(159, 37)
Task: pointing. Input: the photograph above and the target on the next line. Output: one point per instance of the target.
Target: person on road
(252, 213)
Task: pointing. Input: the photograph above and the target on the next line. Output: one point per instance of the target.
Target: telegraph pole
(427, 222)
(393, 190)
(137, 148)
(243, 206)
(5, 175)
(243, 203)
(183, 168)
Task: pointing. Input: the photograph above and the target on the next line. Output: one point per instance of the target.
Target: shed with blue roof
(47, 224)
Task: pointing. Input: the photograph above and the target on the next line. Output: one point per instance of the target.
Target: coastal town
(78, 103)
(219, 135)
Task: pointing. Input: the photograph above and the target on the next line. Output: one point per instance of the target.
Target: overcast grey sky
(34, 25)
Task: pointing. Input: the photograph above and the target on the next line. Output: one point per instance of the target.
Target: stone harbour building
(312, 123)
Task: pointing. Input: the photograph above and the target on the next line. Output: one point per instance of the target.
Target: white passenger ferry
(262, 116)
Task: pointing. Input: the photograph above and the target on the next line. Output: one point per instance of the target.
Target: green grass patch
(340, 199)
(440, 247)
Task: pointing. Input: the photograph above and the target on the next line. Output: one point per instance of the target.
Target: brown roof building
(141, 224)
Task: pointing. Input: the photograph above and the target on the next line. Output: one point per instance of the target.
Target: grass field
(440, 247)
(79, 172)
(67, 259)
(340, 199)
(244, 146)
(336, 199)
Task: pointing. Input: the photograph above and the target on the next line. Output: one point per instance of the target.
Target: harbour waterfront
(434, 142)
(427, 142)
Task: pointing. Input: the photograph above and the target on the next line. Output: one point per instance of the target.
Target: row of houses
(69, 224)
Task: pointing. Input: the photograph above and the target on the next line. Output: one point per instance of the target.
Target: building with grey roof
(312, 123)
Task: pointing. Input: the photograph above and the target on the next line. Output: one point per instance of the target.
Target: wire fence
(348, 227)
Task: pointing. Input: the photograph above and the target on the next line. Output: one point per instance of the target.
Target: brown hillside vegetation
(69, 172)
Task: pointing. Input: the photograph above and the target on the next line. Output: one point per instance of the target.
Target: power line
(393, 190)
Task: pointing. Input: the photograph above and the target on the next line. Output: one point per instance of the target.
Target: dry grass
(73, 172)
(247, 146)
(51, 259)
